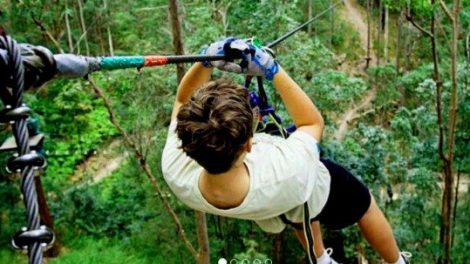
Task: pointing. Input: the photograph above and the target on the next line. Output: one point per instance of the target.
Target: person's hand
(262, 63)
(39, 65)
(232, 48)
(73, 66)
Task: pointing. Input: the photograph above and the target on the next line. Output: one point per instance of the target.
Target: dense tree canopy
(106, 210)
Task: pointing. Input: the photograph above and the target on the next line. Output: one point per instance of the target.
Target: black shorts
(348, 201)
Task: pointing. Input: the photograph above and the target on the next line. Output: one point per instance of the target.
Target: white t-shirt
(284, 174)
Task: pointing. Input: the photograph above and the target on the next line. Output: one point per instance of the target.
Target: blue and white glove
(262, 63)
(232, 48)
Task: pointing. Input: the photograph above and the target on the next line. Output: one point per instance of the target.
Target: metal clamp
(18, 163)
(8, 114)
(44, 235)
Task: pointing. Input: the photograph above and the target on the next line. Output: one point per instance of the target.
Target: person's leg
(376, 229)
(351, 202)
(318, 246)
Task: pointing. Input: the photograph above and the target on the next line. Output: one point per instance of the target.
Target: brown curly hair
(215, 124)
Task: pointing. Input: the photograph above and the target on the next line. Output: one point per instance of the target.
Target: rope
(309, 238)
(25, 162)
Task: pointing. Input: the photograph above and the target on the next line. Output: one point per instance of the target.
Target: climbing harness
(41, 67)
(271, 123)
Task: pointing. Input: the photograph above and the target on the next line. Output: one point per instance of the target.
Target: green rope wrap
(121, 62)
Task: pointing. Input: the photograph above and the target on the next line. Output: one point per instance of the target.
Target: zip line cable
(290, 33)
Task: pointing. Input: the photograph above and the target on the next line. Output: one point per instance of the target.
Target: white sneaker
(406, 256)
(329, 251)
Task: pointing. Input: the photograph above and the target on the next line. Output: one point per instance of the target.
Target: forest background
(390, 77)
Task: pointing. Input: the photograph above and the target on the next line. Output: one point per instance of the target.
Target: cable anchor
(18, 163)
(24, 238)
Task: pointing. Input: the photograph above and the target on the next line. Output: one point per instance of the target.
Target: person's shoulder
(269, 144)
(172, 126)
(268, 139)
(172, 154)
(302, 136)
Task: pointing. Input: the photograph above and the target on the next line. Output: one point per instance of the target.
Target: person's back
(256, 178)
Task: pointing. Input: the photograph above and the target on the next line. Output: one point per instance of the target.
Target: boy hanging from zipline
(215, 163)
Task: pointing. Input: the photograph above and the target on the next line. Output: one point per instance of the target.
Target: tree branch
(357, 116)
(48, 34)
(145, 167)
(467, 48)
(416, 25)
(85, 32)
(442, 30)
(351, 112)
(439, 83)
(446, 10)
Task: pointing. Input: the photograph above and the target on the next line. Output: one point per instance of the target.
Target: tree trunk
(467, 55)
(447, 198)
(379, 34)
(398, 47)
(368, 59)
(69, 31)
(438, 81)
(277, 248)
(110, 41)
(332, 24)
(177, 36)
(202, 238)
(76, 47)
(398, 56)
(46, 218)
(456, 203)
(83, 26)
(446, 213)
(386, 22)
(406, 45)
(310, 15)
(463, 121)
(99, 34)
(108, 28)
(201, 225)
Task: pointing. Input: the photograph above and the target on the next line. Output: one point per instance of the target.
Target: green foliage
(420, 7)
(75, 121)
(334, 91)
(106, 210)
(10, 256)
(11, 209)
(391, 145)
(251, 254)
(90, 251)
(461, 242)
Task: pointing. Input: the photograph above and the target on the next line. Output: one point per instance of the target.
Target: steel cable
(15, 75)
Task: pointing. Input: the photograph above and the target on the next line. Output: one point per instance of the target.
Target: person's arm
(196, 76)
(305, 114)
